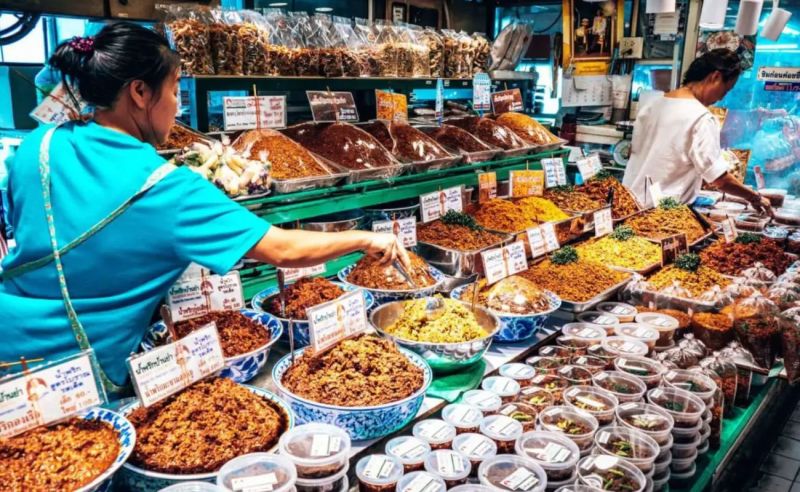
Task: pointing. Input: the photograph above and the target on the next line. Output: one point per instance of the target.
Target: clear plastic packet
(306, 57)
(330, 45)
(453, 58)
(366, 45)
(740, 289)
(405, 50)
(435, 43)
(467, 50)
(728, 378)
(283, 43)
(634, 292)
(347, 39)
(226, 46)
(716, 296)
(420, 53)
(690, 342)
(386, 53)
(741, 358)
(481, 49)
(790, 343)
(676, 290)
(759, 274)
(756, 323)
(255, 39)
(783, 295)
(188, 33)
(682, 356)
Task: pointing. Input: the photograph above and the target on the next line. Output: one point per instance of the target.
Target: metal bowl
(342, 221)
(442, 357)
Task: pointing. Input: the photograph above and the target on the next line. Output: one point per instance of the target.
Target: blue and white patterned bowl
(126, 436)
(359, 422)
(300, 326)
(132, 477)
(517, 327)
(383, 296)
(239, 368)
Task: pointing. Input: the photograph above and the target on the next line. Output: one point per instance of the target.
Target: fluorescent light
(324, 9)
(713, 14)
(748, 17)
(278, 4)
(776, 23)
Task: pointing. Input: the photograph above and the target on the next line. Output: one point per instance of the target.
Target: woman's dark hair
(120, 53)
(722, 60)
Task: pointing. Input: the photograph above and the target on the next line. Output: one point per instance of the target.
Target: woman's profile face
(718, 87)
(165, 107)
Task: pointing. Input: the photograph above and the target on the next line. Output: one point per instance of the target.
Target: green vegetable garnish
(602, 175)
(669, 203)
(565, 255)
(460, 218)
(748, 238)
(563, 189)
(689, 262)
(521, 417)
(623, 233)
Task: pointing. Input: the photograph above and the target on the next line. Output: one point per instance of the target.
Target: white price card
(405, 230)
(554, 172)
(58, 107)
(550, 236)
(481, 92)
(521, 479)
(536, 241)
(292, 274)
(336, 320)
(378, 466)
(264, 482)
(247, 113)
(436, 204)
(49, 393)
(656, 194)
(323, 445)
(603, 222)
(729, 230)
(197, 296)
(499, 263)
(589, 166)
(168, 369)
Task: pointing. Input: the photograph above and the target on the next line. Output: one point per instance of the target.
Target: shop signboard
(436, 204)
(507, 101)
(405, 229)
(333, 321)
(332, 106)
(247, 113)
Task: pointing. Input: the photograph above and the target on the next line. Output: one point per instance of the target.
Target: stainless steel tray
(283, 186)
(377, 173)
(688, 305)
(579, 307)
(551, 146)
(454, 262)
(702, 220)
(434, 164)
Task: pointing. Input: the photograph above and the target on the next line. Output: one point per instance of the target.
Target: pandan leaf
(565, 255)
(748, 238)
(689, 262)
(460, 218)
(623, 233)
(669, 203)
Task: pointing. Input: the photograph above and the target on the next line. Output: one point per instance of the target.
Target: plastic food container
(624, 347)
(521, 373)
(692, 381)
(624, 312)
(545, 365)
(378, 473)
(451, 466)
(684, 407)
(438, 433)
(421, 480)
(554, 452)
(487, 401)
(522, 412)
(683, 451)
(660, 480)
(596, 471)
(591, 363)
(682, 479)
(575, 346)
(682, 465)
(703, 448)
(684, 435)
(258, 470)
(665, 324)
(576, 487)
(662, 464)
(629, 444)
(575, 375)
(605, 320)
(462, 416)
(512, 473)
(599, 352)
(506, 388)
(410, 451)
(552, 383)
(584, 334)
(193, 487)
(334, 483)
(666, 450)
(705, 433)
(317, 450)
(649, 419)
(577, 425)
(476, 447)
(539, 398)
(555, 351)
(471, 487)
(593, 400)
(639, 332)
(503, 430)
(625, 387)
(647, 370)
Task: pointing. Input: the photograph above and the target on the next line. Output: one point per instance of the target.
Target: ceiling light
(660, 6)
(713, 14)
(776, 22)
(324, 9)
(278, 4)
(747, 19)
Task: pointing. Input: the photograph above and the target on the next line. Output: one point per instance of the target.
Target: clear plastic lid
(624, 386)
(485, 400)
(544, 365)
(379, 469)
(517, 371)
(501, 428)
(501, 385)
(555, 351)
(624, 346)
(621, 310)
(575, 374)
(577, 487)
(409, 450)
(471, 487)
(448, 464)
(193, 487)
(681, 404)
(258, 470)
(462, 415)
(691, 381)
(475, 446)
(610, 473)
(591, 399)
(550, 382)
(315, 444)
(676, 290)
(508, 472)
(650, 419)
(585, 332)
(551, 450)
(641, 332)
(589, 361)
(520, 411)
(716, 296)
(628, 444)
(420, 481)
(434, 431)
(598, 318)
(570, 421)
(641, 367)
(661, 322)
(538, 398)
(759, 273)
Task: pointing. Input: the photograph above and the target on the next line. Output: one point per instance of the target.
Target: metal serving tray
(688, 305)
(706, 225)
(457, 263)
(579, 307)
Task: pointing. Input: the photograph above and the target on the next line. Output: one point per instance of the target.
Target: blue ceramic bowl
(300, 327)
(383, 296)
(126, 435)
(132, 477)
(359, 422)
(516, 327)
(240, 368)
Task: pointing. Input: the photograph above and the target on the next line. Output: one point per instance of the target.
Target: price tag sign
(526, 183)
(332, 106)
(168, 369)
(536, 241)
(391, 106)
(554, 172)
(603, 222)
(481, 92)
(759, 174)
(292, 274)
(49, 393)
(436, 204)
(487, 187)
(58, 107)
(246, 113)
(499, 263)
(439, 105)
(197, 296)
(672, 247)
(589, 166)
(404, 229)
(333, 321)
(550, 236)
(729, 230)
(506, 101)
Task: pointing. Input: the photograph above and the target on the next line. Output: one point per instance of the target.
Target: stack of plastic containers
(554, 452)
(320, 454)
(704, 388)
(656, 423)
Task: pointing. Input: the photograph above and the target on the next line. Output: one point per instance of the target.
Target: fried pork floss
(64, 456)
(527, 128)
(661, 223)
(457, 237)
(504, 216)
(288, 158)
(365, 371)
(733, 258)
(238, 334)
(578, 281)
(303, 294)
(370, 273)
(203, 427)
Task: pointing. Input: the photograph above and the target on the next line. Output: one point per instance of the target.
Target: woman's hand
(387, 248)
(762, 205)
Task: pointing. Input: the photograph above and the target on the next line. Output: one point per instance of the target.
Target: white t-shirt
(676, 144)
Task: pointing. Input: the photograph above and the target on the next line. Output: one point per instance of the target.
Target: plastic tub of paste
(410, 451)
(504, 431)
(258, 470)
(378, 473)
(436, 432)
(451, 466)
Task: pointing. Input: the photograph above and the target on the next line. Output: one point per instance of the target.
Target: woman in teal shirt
(125, 225)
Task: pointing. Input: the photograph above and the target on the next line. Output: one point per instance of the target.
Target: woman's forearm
(730, 185)
(297, 248)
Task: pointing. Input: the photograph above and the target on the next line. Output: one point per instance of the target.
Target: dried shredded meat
(289, 159)
(303, 294)
(370, 273)
(527, 128)
(490, 132)
(458, 139)
(343, 144)
(238, 334)
(180, 137)
(458, 237)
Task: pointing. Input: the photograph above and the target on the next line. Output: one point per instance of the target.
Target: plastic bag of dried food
(527, 128)
(343, 144)
(759, 274)
(435, 43)
(683, 356)
(453, 58)
(366, 45)
(254, 36)
(387, 49)
(326, 38)
(790, 343)
(405, 50)
(489, 131)
(726, 372)
(188, 33)
(467, 49)
(783, 295)
(288, 158)
(742, 359)
(755, 321)
(226, 46)
(510, 45)
(306, 57)
(480, 48)
(740, 289)
(283, 43)
(716, 296)
(515, 295)
(418, 51)
(347, 39)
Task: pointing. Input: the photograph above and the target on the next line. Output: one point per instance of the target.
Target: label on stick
(405, 230)
(193, 297)
(526, 183)
(436, 204)
(333, 321)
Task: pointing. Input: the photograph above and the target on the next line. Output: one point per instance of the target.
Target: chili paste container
(624, 312)
(512, 473)
(476, 447)
(451, 466)
(584, 334)
(408, 450)
(665, 324)
(553, 451)
(258, 470)
(317, 450)
(503, 430)
(487, 401)
(462, 416)
(506, 388)
(420, 481)
(378, 473)
(438, 433)
(605, 320)
(521, 373)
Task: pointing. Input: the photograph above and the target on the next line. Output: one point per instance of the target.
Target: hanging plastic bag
(254, 36)
(188, 32)
(728, 375)
(756, 323)
(481, 50)
(790, 343)
(307, 55)
(226, 46)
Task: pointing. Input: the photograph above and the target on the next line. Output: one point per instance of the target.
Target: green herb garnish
(748, 238)
(601, 175)
(565, 255)
(461, 219)
(563, 189)
(623, 233)
(689, 262)
(673, 406)
(669, 203)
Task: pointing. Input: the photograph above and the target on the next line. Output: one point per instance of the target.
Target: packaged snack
(435, 43)
(329, 44)
(188, 33)
(437, 433)
(387, 48)
(790, 343)
(254, 37)
(367, 48)
(285, 43)
(755, 321)
(410, 451)
(379, 473)
(349, 42)
(451, 466)
(476, 447)
(307, 55)
(226, 45)
(481, 49)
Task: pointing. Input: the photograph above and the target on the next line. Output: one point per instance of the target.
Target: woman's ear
(140, 93)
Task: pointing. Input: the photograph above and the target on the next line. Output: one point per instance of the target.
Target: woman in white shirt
(676, 140)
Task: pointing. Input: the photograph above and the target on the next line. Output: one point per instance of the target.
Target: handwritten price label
(404, 229)
(526, 183)
(729, 230)
(589, 166)
(333, 321)
(603, 222)
(246, 113)
(500, 263)
(554, 172)
(292, 274)
(197, 296)
(550, 236)
(436, 204)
